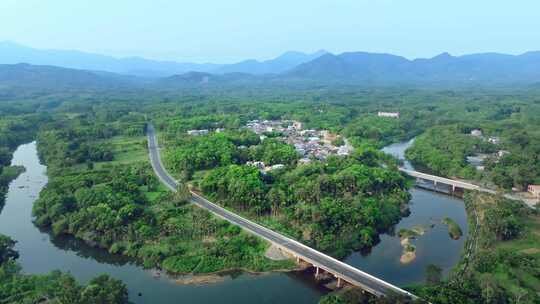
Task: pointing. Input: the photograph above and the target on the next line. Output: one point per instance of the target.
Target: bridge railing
(153, 145)
(313, 251)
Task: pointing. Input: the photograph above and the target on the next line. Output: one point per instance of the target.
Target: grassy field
(128, 150)
(515, 263)
(529, 245)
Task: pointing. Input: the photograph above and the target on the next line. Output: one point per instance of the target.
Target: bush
(180, 264)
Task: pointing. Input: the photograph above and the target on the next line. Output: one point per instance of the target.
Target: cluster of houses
(477, 160)
(308, 143)
(492, 139)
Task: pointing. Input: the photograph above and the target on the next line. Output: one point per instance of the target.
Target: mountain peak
(444, 55)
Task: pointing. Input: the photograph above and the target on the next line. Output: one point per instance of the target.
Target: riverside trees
(337, 205)
(120, 206)
(56, 287)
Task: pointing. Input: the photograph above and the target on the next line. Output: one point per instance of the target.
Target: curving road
(339, 269)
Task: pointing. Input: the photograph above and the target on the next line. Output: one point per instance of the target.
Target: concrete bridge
(343, 272)
(446, 181)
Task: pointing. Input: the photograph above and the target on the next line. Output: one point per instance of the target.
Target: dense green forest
(509, 141)
(56, 287)
(337, 205)
(102, 189)
(502, 260)
(14, 130)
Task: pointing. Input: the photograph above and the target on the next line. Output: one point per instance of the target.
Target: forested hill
(13, 53)
(372, 68)
(51, 77)
(358, 69)
(277, 65)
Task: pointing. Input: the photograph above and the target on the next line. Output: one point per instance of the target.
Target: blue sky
(231, 30)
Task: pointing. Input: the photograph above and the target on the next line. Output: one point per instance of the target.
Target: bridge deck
(444, 180)
(339, 269)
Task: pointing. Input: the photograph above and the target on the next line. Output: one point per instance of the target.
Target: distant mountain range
(77, 69)
(278, 65)
(370, 68)
(13, 53)
(43, 77)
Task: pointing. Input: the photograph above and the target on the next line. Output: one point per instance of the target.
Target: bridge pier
(338, 282)
(316, 271)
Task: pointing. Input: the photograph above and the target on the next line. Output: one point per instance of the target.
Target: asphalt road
(346, 272)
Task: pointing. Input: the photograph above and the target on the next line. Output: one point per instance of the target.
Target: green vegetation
(379, 131)
(56, 287)
(337, 205)
(14, 130)
(433, 274)
(443, 150)
(510, 141)
(103, 190)
(407, 233)
(101, 187)
(503, 263)
(7, 174)
(453, 228)
(357, 296)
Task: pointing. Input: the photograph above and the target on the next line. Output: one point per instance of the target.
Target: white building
(388, 114)
(344, 150)
(278, 166)
(502, 153)
(494, 140)
(476, 132)
(197, 132)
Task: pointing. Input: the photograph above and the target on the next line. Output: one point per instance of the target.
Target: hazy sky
(230, 30)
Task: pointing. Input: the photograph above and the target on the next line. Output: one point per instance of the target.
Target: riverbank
(139, 280)
(502, 256)
(18, 282)
(453, 228)
(41, 252)
(432, 247)
(8, 174)
(119, 205)
(220, 276)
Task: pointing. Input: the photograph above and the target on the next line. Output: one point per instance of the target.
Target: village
(532, 193)
(478, 160)
(310, 144)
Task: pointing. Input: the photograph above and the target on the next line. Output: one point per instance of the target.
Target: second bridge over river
(447, 181)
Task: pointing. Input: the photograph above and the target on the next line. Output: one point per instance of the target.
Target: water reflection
(41, 253)
(427, 209)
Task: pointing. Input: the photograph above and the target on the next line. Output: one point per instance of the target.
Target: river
(41, 253)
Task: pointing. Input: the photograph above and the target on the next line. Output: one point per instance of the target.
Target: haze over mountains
(444, 68)
(74, 69)
(12, 53)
